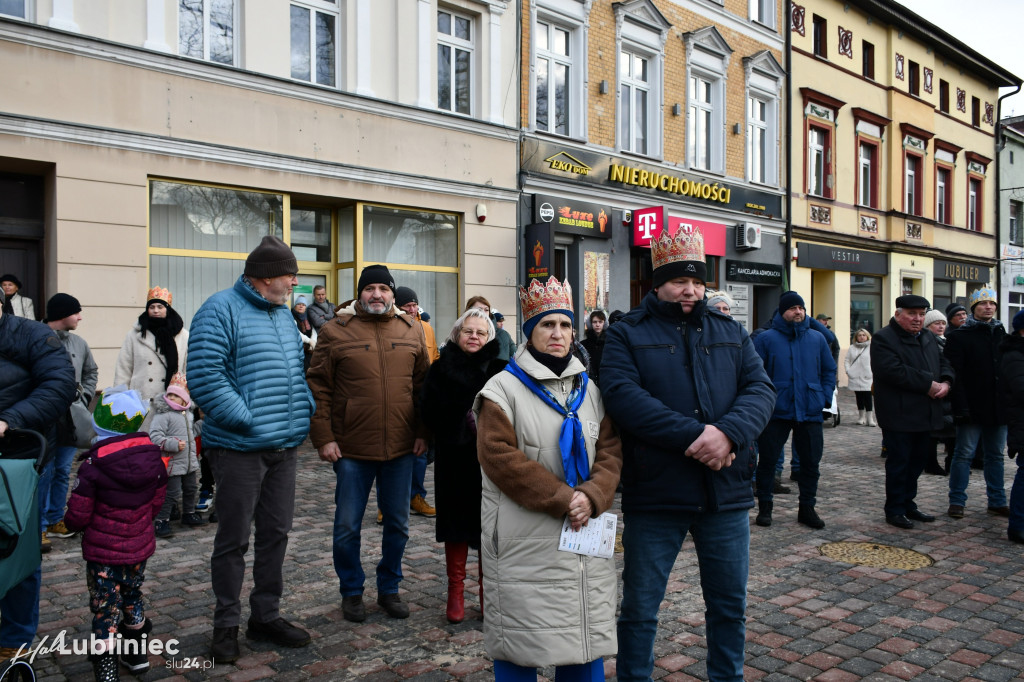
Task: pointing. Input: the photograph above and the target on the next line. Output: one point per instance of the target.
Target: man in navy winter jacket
(690, 394)
(37, 385)
(245, 373)
(800, 364)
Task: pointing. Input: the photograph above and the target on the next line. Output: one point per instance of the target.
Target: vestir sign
(649, 222)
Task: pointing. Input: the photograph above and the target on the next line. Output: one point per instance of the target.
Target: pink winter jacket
(120, 488)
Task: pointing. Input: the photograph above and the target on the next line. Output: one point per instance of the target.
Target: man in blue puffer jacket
(690, 395)
(37, 385)
(800, 364)
(245, 373)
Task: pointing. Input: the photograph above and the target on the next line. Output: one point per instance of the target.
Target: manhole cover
(876, 555)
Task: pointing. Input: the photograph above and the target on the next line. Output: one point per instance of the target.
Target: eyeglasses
(469, 333)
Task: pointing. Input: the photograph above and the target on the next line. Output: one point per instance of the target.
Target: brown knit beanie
(272, 258)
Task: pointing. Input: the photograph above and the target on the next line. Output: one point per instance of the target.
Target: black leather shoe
(1003, 511)
(392, 605)
(224, 648)
(900, 521)
(918, 515)
(280, 632)
(1015, 536)
(352, 608)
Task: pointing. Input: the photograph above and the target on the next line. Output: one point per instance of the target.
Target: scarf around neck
(575, 462)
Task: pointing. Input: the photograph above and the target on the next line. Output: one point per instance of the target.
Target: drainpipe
(999, 191)
(787, 20)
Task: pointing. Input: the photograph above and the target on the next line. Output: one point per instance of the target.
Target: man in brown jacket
(366, 375)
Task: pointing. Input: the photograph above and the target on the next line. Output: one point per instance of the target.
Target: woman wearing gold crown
(155, 348)
(547, 452)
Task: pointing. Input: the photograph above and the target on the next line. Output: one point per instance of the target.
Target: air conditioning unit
(748, 236)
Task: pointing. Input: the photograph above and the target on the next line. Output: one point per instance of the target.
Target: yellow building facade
(893, 183)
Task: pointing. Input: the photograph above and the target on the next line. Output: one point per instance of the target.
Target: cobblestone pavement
(809, 616)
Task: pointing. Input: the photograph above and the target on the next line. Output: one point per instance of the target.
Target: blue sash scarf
(575, 461)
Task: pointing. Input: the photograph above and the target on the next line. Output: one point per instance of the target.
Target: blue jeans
(355, 479)
(419, 473)
(652, 541)
(993, 440)
(55, 496)
(19, 612)
(581, 672)
(808, 441)
(1017, 498)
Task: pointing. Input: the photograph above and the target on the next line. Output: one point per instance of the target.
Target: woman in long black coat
(468, 360)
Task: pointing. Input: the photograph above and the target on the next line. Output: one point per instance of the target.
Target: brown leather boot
(455, 554)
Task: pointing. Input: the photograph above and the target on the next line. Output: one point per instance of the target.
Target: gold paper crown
(684, 245)
(543, 298)
(159, 294)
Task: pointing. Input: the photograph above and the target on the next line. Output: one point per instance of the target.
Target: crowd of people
(673, 403)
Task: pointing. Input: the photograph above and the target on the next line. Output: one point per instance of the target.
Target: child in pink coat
(119, 490)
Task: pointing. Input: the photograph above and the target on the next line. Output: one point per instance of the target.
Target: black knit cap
(790, 299)
(376, 274)
(680, 268)
(62, 305)
(405, 295)
(272, 258)
(11, 278)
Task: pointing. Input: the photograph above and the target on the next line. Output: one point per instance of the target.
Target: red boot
(455, 554)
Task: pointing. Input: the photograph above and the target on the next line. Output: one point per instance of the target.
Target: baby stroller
(22, 458)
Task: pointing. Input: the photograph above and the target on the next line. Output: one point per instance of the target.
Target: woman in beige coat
(155, 349)
(547, 452)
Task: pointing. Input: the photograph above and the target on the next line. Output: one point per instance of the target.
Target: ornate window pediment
(707, 40)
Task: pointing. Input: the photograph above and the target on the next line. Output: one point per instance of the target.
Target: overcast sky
(991, 27)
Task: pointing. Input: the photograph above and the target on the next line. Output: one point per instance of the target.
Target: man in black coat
(911, 378)
(973, 351)
(37, 385)
(1011, 394)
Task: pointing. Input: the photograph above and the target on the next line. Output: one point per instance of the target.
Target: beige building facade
(155, 143)
(893, 180)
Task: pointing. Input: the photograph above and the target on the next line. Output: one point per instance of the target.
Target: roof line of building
(913, 23)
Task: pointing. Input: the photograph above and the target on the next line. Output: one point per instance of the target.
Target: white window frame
(707, 59)
(1014, 211)
(641, 31)
(911, 168)
(973, 187)
(763, 12)
(27, 7)
(322, 7)
(571, 16)
(764, 79)
(865, 172)
(630, 87)
(458, 44)
(235, 22)
(942, 193)
(815, 152)
(758, 155)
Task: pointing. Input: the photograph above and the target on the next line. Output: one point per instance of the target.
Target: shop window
(635, 102)
(943, 96)
(14, 8)
(867, 173)
(206, 29)
(205, 218)
(311, 233)
(974, 198)
(455, 48)
(1015, 226)
(942, 293)
(912, 184)
(943, 194)
(763, 12)
(867, 57)
(820, 31)
(865, 303)
(314, 46)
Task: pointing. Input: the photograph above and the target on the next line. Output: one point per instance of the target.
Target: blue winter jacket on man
(800, 364)
(245, 372)
(664, 376)
(37, 380)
